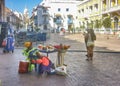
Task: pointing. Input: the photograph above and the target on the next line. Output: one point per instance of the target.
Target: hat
(27, 44)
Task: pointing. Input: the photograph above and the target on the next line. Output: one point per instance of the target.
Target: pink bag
(4, 43)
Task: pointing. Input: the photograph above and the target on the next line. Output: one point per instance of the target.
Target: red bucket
(23, 67)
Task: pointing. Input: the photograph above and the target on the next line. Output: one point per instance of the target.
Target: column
(108, 4)
(100, 7)
(116, 2)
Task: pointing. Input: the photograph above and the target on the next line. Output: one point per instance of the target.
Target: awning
(57, 14)
(70, 15)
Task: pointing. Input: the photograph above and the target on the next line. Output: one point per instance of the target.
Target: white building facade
(43, 17)
(62, 13)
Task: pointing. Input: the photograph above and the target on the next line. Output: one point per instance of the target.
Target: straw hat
(27, 44)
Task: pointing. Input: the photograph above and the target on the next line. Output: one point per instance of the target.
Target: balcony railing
(45, 13)
(70, 21)
(58, 21)
(45, 21)
(111, 9)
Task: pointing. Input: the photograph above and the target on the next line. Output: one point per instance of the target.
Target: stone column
(116, 2)
(108, 4)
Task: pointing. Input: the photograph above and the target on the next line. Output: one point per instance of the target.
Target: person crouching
(44, 64)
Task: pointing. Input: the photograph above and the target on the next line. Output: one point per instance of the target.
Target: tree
(90, 25)
(98, 24)
(107, 22)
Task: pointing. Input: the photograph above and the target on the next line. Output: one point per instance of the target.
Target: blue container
(10, 44)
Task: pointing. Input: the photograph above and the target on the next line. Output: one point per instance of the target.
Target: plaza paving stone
(104, 70)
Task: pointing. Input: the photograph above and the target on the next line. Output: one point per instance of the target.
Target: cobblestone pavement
(103, 71)
(110, 42)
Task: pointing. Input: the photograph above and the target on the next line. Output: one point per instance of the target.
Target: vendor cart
(61, 49)
(60, 57)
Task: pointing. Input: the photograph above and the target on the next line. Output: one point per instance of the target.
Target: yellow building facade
(112, 8)
(90, 11)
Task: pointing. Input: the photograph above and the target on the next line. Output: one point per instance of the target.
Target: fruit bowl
(47, 47)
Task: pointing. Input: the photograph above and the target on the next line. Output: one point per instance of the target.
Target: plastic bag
(62, 70)
(4, 43)
(90, 43)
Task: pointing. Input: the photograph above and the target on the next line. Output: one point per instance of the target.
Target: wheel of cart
(7, 51)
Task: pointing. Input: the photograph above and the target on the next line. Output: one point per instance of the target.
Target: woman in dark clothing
(90, 38)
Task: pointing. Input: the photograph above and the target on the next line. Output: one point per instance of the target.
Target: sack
(23, 67)
(90, 43)
(31, 67)
(61, 70)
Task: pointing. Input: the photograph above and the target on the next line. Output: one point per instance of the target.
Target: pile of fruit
(46, 47)
(51, 47)
(62, 47)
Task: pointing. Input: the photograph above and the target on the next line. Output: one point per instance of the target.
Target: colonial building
(58, 13)
(89, 13)
(112, 8)
(33, 18)
(95, 11)
(13, 18)
(43, 17)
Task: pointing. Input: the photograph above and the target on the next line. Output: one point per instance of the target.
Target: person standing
(90, 38)
(85, 38)
(118, 35)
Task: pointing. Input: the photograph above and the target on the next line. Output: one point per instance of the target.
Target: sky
(19, 5)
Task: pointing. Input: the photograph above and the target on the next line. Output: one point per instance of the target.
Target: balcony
(111, 9)
(45, 22)
(58, 21)
(70, 21)
(45, 13)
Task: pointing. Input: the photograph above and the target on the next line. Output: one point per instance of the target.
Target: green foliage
(107, 22)
(98, 24)
(90, 25)
(77, 28)
(82, 26)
